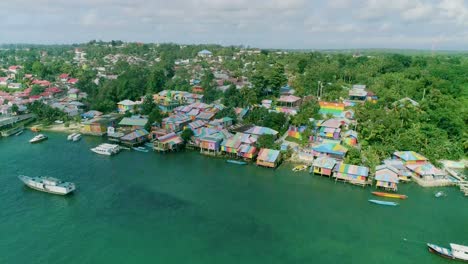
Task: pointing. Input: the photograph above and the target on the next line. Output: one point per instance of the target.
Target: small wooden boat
(390, 195)
(141, 149)
(299, 168)
(238, 162)
(458, 252)
(383, 202)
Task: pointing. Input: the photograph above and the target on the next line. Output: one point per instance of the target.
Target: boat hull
(42, 187)
(390, 195)
(46, 191)
(236, 162)
(37, 140)
(440, 251)
(383, 203)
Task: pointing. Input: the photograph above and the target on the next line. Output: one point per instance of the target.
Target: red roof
(73, 80)
(53, 90)
(14, 67)
(63, 76)
(41, 82)
(35, 97)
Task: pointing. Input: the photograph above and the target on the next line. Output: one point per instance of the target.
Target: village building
(386, 177)
(169, 142)
(334, 109)
(296, 132)
(135, 138)
(247, 151)
(290, 101)
(426, 172)
(132, 123)
(323, 166)
(98, 125)
(404, 175)
(223, 122)
(350, 138)
(260, 131)
(205, 54)
(359, 93)
(329, 149)
(357, 175)
(409, 157)
(175, 123)
(210, 145)
(330, 129)
(125, 106)
(268, 158)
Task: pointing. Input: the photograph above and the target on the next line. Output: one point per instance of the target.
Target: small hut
(324, 166)
(137, 137)
(386, 177)
(169, 142)
(247, 151)
(350, 138)
(351, 173)
(268, 158)
(210, 145)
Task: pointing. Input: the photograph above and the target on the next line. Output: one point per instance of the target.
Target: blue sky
(309, 24)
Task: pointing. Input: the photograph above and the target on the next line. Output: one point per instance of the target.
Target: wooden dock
(463, 187)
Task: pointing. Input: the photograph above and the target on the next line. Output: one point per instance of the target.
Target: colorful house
(290, 101)
(196, 124)
(330, 129)
(404, 174)
(333, 150)
(324, 166)
(268, 158)
(210, 144)
(259, 131)
(351, 173)
(296, 132)
(335, 109)
(134, 138)
(247, 151)
(359, 93)
(409, 157)
(427, 171)
(125, 105)
(386, 177)
(97, 126)
(134, 122)
(175, 123)
(350, 138)
(232, 144)
(222, 122)
(169, 142)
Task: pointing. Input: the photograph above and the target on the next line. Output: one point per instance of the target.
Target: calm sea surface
(186, 208)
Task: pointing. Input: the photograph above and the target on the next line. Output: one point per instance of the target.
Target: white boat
(458, 252)
(76, 137)
(141, 149)
(48, 184)
(440, 194)
(106, 149)
(70, 137)
(38, 138)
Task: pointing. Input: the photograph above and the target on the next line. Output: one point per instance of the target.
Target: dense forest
(435, 127)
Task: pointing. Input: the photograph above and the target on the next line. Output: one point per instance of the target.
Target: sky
(288, 24)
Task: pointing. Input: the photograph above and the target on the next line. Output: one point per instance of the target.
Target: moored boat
(70, 137)
(141, 149)
(390, 195)
(76, 137)
(299, 168)
(38, 138)
(48, 184)
(35, 129)
(456, 251)
(238, 162)
(106, 149)
(383, 202)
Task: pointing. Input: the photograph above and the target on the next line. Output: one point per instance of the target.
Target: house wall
(266, 164)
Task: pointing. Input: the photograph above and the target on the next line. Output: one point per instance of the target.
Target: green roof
(128, 121)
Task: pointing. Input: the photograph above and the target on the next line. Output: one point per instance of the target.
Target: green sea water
(187, 208)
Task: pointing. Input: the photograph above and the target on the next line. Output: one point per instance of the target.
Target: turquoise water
(186, 208)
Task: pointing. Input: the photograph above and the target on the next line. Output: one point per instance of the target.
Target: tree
(266, 141)
(353, 156)
(14, 108)
(37, 89)
(187, 134)
(148, 105)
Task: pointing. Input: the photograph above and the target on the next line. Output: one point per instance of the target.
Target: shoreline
(60, 128)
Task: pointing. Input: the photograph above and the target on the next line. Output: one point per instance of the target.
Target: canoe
(390, 195)
(299, 168)
(141, 149)
(236, 162)
(383, 202)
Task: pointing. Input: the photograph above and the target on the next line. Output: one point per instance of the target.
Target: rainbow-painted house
(335, 109)
(296, 132)
(351, 173)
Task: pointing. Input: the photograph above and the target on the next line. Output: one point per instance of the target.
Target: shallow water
(186, 208)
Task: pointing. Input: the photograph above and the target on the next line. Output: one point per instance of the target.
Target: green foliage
(353, 156)
(266, 141)
(262, 117)
(227, 112)
(45, 113)
(148, 105)
(187, 134)
(37, 89)
(14, 108)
